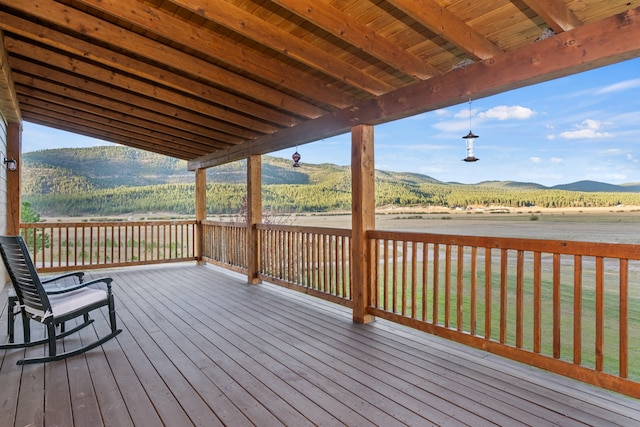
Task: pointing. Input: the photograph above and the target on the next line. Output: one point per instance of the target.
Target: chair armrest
(78, 274)
(106, 280)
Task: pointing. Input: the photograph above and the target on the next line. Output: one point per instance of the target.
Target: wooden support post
(254, 216)
(201, 211)
(14, 150)
(362, 219)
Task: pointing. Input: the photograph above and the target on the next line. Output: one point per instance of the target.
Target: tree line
(298, 198)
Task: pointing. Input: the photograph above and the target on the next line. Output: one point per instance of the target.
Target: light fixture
(296, 159)
(470, 138)
(11, 164)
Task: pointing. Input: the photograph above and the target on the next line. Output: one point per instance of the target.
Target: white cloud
(588, 129)
(611, 152)
(505, 112)
(465, 114)
(620, 86)
(535, 159)
(555, 160)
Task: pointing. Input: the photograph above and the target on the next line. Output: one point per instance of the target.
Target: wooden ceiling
(212, 81)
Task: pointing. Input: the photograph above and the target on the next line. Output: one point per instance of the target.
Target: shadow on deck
(201, 347)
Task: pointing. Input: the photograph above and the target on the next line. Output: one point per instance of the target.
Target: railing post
(254, 216)
(201, 212)
(362, 219)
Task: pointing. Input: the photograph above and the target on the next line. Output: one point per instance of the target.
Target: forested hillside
(119, 180)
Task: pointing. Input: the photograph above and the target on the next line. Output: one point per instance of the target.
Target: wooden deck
(201, 347)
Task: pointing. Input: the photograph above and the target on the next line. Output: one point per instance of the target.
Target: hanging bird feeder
(470, 138)
(296, 159)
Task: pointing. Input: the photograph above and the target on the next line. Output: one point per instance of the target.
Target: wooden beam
(52, 102)
(148, 72)
(201, 211)
(257, 29)
(444, 23)
(337, 23)
(96, 104)
(363, 206)
(555, 13)
(14, 151)
(116, 129)
(83, 25)
(254, 217)
(207, 43)
(594, 45)
(107, 136)
(76, 66)
(9, 106)
(73, 85)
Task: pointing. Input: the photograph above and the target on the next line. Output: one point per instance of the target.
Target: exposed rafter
(212, 81)
(444, 23)
(333, 21)
(555, 13)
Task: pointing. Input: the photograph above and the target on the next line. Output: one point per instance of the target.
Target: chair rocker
(52, 307)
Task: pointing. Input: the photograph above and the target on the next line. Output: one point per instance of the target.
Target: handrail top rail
(343, 232)
(563, 247)
(105, 223)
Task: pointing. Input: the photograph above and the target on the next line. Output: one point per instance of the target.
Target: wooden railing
(311, 259)
(61, 246)
(225, 244)
(569, 307)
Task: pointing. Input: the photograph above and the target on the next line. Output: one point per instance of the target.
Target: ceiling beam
(104, 136)
(141, 70)
(50, 92)
(83, 24)
(359, 35)
(117, 130)
(111, 119)
(283, 42)
(555, 13)
(445, 24)
(73, 65)
(210, 44)
(78, 85)
(605, 42)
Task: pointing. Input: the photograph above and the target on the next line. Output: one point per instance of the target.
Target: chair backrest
(29, 290)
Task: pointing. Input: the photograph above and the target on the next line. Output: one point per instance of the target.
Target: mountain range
(84, 169)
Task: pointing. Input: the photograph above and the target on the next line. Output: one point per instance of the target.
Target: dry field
(611, 225)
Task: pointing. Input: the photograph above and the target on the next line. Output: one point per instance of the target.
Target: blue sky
(582, 127)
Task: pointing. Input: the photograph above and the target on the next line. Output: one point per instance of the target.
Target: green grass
(588, 298)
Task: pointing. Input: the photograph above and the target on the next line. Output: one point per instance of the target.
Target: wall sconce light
(11, 164)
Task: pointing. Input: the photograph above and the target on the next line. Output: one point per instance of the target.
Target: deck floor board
(201, 347)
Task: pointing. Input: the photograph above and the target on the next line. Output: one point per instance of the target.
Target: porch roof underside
(200, 346)
(213, 81)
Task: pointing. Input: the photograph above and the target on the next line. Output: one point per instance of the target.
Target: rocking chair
(52, 307)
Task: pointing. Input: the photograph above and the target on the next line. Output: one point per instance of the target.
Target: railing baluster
(537, 302)
(624, 319)
(577, 309)
(447, 286)
(488, 288)
(599, 320)
(519, 298)
(556, 305)
(459, 288)
(503, 294)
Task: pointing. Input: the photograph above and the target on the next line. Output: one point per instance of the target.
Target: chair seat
(66, 303)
